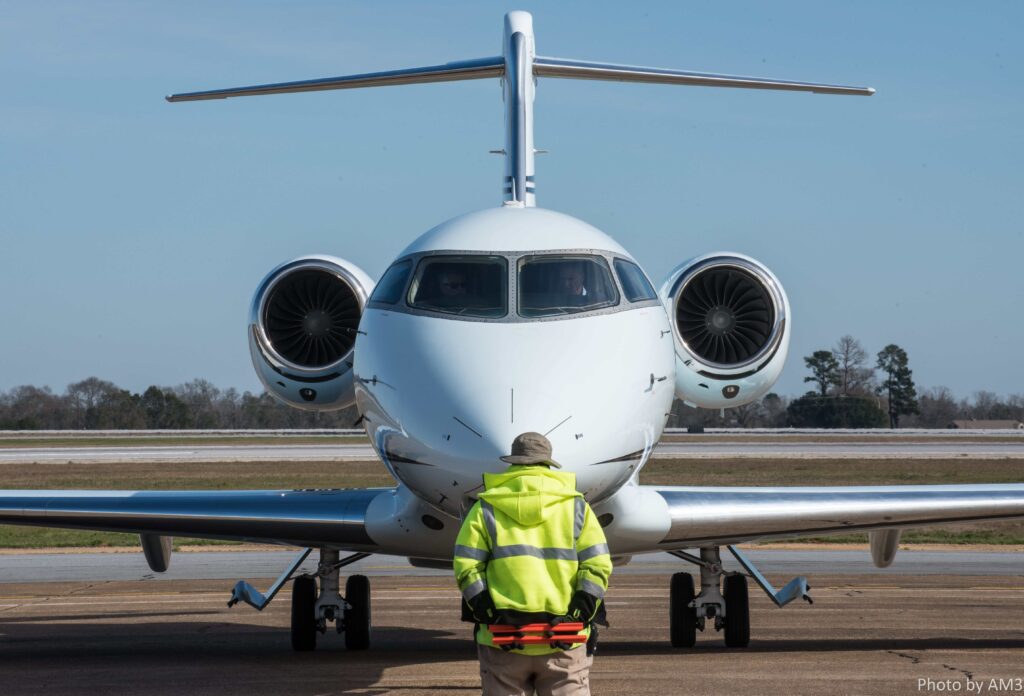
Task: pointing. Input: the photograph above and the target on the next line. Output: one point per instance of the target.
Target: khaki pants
(565, 673)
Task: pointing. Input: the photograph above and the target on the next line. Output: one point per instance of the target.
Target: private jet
(505, 320)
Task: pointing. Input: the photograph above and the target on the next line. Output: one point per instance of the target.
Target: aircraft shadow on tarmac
(251, 659)
(610, 648)
(105, 616)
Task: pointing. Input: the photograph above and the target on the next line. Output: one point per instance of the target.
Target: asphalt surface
(250, 565)
(865, 634)
(673, 450)
(935, 622)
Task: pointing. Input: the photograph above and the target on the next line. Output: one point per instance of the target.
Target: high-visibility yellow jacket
(531, 540)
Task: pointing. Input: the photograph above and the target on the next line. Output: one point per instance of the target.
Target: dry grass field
(172, 440)
(839, 438)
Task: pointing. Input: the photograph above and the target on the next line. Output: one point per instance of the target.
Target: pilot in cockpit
(452, 284)
(570, 278)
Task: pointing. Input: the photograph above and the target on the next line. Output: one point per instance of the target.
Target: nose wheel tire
(357, 616)
(682, 618)
(304, 614)
(737, 612)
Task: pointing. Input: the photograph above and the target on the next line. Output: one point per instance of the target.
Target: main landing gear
(723, 601)
(312, 611)
(313, 608)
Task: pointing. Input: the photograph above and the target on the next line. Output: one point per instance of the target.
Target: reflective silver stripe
(492, 526)
(470, 552)
(548, 554)
(591, 551)
(591, 588)
(581, 512)
(473, 589)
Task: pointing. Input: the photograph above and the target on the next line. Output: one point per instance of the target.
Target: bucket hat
(531, 448)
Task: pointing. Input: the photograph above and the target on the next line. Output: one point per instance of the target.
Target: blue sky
(133, 232)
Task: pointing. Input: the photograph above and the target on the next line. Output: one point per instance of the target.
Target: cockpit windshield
(470, 286)
(551, 285)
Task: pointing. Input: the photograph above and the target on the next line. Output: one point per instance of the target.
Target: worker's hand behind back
(483, 608)
(583, 607)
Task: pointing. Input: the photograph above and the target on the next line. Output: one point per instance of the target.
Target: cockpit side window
(389, 289)
(634, 283)
(551, 285)
(470, 286)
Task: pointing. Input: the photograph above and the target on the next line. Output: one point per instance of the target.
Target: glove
(583, 607)
(483, 608)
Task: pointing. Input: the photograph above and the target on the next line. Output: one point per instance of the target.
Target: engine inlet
(311, 317)
(725, 315)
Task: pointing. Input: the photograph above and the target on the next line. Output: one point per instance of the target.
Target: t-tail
(518, 67)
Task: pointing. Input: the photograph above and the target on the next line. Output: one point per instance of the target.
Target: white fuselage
(443, 396)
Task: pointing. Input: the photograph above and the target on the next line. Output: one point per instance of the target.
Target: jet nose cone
(444, 399)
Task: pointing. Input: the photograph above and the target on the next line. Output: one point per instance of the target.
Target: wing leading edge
(719, 516)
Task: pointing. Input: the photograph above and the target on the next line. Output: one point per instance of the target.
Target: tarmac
(935, 622)
(865, 634)
(208, 563)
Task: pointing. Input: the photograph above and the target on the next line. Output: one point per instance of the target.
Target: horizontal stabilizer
(519, 66)
(585, 70)
(481, 68)
(459, 70)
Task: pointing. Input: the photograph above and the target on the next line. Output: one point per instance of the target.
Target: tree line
(848, 392)
(96, 404)
(851, 392)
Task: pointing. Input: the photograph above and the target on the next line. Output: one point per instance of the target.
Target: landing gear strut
(313, 610)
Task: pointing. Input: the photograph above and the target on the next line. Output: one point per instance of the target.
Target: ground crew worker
(531, 551)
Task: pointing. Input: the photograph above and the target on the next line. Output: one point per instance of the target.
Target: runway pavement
(865, 634)
(185, 452)
(233, 565)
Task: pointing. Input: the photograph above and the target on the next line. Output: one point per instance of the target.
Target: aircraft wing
(335, 518)
(718, 516)
(646, 518)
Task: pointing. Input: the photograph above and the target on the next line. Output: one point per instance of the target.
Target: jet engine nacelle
(730, 321)
(303, 327)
